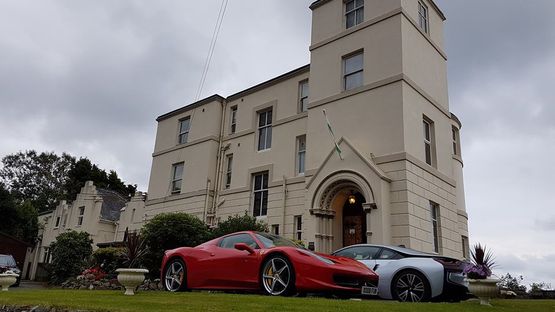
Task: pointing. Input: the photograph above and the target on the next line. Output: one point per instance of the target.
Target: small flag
(337, 149)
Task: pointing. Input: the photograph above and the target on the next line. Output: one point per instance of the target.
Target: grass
(204, 301)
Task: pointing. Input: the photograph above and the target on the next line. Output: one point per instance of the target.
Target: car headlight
(306, 252)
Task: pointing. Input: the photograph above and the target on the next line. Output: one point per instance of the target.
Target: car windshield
(270, 240)
(7, 261)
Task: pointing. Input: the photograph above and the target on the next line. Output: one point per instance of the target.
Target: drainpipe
(218, 163)
(283, 203)
(204, 216)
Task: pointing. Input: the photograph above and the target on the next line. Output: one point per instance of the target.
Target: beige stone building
(378, 69)
(95, 211)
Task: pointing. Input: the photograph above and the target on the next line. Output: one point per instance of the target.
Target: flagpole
(337, 149)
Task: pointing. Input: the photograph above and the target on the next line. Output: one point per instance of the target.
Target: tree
(70, 253)
(239, 223)
(538, 287)
(512, 283)
(38, 178)
(46, 178)
(18, 219)
(27, 226)
(168, 231)
(84, 170)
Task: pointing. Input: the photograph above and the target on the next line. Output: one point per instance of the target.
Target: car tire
(277, 276)
(175, 275)
(410, 286)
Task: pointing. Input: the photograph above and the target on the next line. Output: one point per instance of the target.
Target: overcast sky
(90, 77)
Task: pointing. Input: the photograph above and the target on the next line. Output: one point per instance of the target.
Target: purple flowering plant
(482, 262)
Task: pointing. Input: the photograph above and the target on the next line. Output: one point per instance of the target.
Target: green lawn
(204, 301)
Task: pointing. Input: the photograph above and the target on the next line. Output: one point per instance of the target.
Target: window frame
(233, 119)
(57, 224)
(229, 170)
(435, 219)
(300, 154)
(359, 71)
(263, 191)
(174, 181)
(181, 133)
(456, 141)
(356, 11)
(275, 229)
(303, 106)
(423, 17)
(465, 247)
(264, 129)
(298, 229)
(81, 216)
(429, 141)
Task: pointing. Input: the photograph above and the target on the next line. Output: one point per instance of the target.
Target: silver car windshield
(7, 261)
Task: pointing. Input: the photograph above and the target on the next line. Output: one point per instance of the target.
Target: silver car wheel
(276, 276)
(410, 288)
(175, 275)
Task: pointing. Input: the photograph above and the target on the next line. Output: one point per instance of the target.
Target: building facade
(95, 211)
(378, 71)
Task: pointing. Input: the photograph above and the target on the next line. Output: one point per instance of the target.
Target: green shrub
(168, 231)
(70, 253)
(239, 223)
(109, 259)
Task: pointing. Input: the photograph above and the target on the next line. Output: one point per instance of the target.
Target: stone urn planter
(484, 289)
(130, 279)
(7, 280)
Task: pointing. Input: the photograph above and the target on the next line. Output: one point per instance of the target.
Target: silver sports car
(410, 275)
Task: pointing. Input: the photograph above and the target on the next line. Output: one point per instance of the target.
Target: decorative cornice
(181, 146)
(213, 98)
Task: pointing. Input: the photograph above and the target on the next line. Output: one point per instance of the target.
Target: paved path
(28, 285)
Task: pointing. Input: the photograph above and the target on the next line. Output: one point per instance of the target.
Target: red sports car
(255, 261)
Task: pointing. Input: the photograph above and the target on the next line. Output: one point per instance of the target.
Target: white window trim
(174, 180)
(430, 141)
(436, 226)
(233, 120)
(186, 132)
(298, 232)
(356, 10)
(423, 8)
(261, 190)
(81, 216)
(305, 97)
(266, 126)
(298, 156)
(229, 171)
(361, 70)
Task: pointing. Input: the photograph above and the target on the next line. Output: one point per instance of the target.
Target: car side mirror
(243, 246)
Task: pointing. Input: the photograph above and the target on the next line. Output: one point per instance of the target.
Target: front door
(354, 221)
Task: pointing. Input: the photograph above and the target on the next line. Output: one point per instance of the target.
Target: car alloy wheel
(277, 276)
(174, 279)
(410, 287)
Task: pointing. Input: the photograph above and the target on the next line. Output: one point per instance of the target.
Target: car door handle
(212, 254)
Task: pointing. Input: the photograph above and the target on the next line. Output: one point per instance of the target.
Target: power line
(215, 34)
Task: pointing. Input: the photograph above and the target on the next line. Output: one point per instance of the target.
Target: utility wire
(215, 34)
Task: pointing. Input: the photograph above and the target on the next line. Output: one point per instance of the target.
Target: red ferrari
(253, 261)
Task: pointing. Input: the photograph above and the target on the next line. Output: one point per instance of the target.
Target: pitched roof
(112, 202)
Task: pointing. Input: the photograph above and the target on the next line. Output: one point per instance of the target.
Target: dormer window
(354, 12)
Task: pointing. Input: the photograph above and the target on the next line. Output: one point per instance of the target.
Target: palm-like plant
(482, 263)
(134, 249)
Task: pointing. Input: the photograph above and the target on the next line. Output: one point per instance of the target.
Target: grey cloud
(546, 224)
